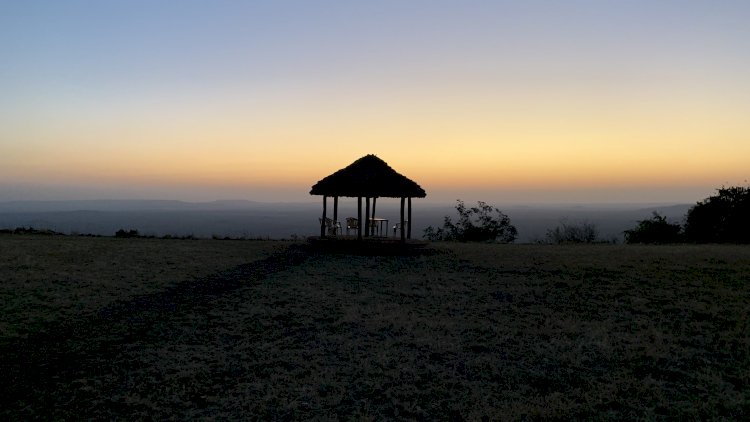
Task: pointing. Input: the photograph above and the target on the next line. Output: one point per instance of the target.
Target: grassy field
(177, 329)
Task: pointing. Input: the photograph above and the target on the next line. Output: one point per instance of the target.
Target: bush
(31, 230)
(722, 218)
(583, 232)
(483, 223)
(125, 234)
(655, 230)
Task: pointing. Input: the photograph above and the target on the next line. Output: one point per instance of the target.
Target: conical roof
(368, 176)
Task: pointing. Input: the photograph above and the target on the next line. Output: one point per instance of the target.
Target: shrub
(31, 230)
(583, 232)
(722, 218)
(129, 233)
(483, 223)
(654, 230)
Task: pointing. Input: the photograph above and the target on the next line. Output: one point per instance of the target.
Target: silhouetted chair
(332, 227)
(351, 224)
(397, 228)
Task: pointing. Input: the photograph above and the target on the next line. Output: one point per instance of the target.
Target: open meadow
(105, 328)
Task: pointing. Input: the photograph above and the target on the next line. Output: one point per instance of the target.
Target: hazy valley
(286, 220)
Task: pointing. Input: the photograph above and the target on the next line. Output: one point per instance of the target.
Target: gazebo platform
(367, 245)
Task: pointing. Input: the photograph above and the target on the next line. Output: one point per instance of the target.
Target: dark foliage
(654, 230)
(132, 234)
(583, 232)
(483, 223)
(123, 233)
(722, 218)
(31, 230)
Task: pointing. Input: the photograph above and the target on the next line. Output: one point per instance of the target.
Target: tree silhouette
(483, 223)
(654, 230)
(722, 218)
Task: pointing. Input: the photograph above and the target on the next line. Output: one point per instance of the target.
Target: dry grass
(459, 331)
(44, 279)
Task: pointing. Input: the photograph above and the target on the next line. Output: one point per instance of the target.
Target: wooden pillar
(403, 233)
(359, 218)
(323, 220)
(367, 216)
(408, 229)
(372, 228)
(336, 213)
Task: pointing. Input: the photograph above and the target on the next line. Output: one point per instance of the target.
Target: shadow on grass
(35, 367)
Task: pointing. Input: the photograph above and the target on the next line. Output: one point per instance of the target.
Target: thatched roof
(368, 176)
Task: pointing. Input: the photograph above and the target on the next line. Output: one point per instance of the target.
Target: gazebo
(368, 177)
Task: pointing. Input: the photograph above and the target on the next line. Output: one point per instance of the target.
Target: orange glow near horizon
(531, 163)
(573, 154)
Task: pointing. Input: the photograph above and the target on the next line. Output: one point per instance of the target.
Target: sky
(503, 101)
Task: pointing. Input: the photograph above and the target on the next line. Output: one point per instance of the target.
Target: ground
(108, 328)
